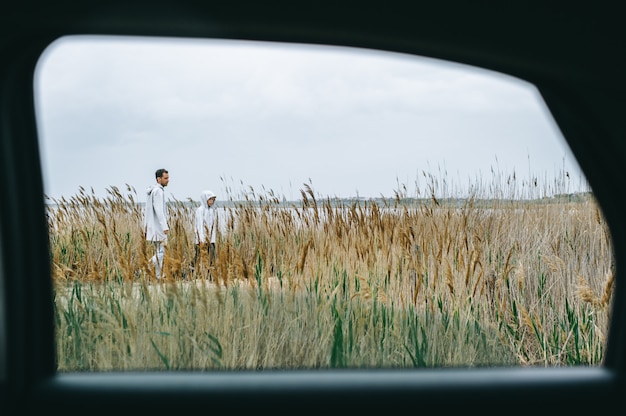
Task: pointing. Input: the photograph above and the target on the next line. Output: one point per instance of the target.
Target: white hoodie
(155, 217)
(205, 220)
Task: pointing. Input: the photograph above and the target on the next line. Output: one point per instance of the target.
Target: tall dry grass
(328, 283)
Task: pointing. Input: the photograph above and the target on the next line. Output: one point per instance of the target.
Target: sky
(257, 118)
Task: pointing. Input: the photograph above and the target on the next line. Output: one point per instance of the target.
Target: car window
(369, 209)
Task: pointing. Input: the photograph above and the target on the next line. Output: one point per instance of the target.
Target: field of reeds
(326, 283)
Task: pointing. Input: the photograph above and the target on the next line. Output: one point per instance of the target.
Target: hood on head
(205, 195)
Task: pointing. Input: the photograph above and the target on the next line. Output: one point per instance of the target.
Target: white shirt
(155, 217)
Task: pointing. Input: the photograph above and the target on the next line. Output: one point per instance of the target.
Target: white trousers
(157, 259)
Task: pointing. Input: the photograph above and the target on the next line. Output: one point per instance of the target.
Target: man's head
(162, 177)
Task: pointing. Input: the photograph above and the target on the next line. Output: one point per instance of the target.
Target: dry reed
(328, 283)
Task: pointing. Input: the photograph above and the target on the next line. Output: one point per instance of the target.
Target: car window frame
(31, 379)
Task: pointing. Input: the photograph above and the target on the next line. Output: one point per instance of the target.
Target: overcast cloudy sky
(231, 116)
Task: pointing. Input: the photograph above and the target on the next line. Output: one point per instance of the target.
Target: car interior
(571, 52)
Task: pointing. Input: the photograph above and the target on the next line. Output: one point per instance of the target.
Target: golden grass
(330, 283)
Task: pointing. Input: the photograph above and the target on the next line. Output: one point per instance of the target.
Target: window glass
(370, 210)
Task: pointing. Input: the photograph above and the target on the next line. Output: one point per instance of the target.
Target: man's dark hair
(159, 173)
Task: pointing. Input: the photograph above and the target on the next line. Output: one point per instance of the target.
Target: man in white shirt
(155, 219)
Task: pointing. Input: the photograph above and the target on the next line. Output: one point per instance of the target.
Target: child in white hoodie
(205, 227)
